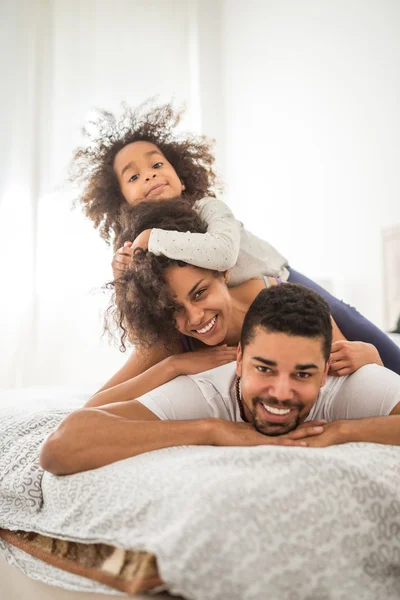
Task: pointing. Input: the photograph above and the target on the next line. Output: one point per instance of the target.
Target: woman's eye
(157, 165)
(199, 293)
(133, 178)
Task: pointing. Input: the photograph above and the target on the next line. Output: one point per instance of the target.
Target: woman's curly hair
(92, 166)
(143, 307)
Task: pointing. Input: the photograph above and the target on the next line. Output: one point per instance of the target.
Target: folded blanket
(223, 522)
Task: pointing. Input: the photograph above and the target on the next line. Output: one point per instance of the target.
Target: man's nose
(281, 388)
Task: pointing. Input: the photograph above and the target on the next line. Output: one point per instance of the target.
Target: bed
(15, 585)
(221, 523)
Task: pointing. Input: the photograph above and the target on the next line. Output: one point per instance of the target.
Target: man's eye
(263, 369)
(133, 178)
(157, 165)
(302, 375)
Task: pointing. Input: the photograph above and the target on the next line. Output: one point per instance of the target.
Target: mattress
(14, 585)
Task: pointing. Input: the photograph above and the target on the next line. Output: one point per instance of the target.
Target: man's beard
(275, 428)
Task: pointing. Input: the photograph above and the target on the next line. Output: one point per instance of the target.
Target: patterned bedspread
(237, 523)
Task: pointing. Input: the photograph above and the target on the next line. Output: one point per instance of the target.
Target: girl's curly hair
(143, 307)
(92, 165)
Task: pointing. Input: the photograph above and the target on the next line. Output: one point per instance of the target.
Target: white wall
(65, 58)
(312, 122)
(104, 53)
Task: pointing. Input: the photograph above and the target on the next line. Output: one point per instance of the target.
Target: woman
(166, 307)
(143, 158)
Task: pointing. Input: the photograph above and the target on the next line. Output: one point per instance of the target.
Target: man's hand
(226, 433)
(347, 357)
(333, 433)
(142, 240)
(121, 259)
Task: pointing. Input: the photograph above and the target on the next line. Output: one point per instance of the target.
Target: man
(275, 394)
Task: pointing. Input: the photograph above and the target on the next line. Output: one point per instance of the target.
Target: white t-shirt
(372, 391)
(226, 245)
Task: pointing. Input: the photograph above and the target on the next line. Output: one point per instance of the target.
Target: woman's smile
(208, 328)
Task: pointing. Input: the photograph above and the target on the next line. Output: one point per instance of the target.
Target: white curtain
(61, 59)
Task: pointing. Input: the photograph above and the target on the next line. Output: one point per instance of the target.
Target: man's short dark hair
(292, 309)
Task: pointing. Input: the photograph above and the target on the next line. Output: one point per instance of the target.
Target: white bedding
(237, 523)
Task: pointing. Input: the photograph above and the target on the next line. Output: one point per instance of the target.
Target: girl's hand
(347, 357)
(121, 259)
(190, 363)
(142, 240)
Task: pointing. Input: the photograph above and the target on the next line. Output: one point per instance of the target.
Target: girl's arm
(218, 249)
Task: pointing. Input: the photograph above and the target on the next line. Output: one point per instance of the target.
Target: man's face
(281, 376)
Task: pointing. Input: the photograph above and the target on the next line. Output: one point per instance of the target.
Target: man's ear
(325, 375)
(239, 360)
(227, 275)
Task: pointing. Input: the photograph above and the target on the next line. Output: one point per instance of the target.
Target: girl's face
(204, 304)
(144, 173)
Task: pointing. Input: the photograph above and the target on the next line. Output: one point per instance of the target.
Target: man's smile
(273, 414)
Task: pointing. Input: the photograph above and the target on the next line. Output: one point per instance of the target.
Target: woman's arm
(217, 249)
(347, 357)
(143, 372)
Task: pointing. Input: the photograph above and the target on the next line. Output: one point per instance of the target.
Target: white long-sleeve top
(226, 245)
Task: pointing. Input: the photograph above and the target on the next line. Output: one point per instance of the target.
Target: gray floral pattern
(225, 523)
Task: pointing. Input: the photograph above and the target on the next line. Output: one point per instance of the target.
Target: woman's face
(144, 173)
(204, 304)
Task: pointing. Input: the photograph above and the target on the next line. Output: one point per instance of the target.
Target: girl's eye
(157, 165)
(199, 293)
(133, 178)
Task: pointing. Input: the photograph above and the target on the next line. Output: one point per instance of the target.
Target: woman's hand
(121, 259)
(347, 357)
(190, 363)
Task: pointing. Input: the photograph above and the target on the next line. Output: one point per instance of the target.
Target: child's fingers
(126, 251)
(122, 259)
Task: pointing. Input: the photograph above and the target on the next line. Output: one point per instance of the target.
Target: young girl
(143, 158)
